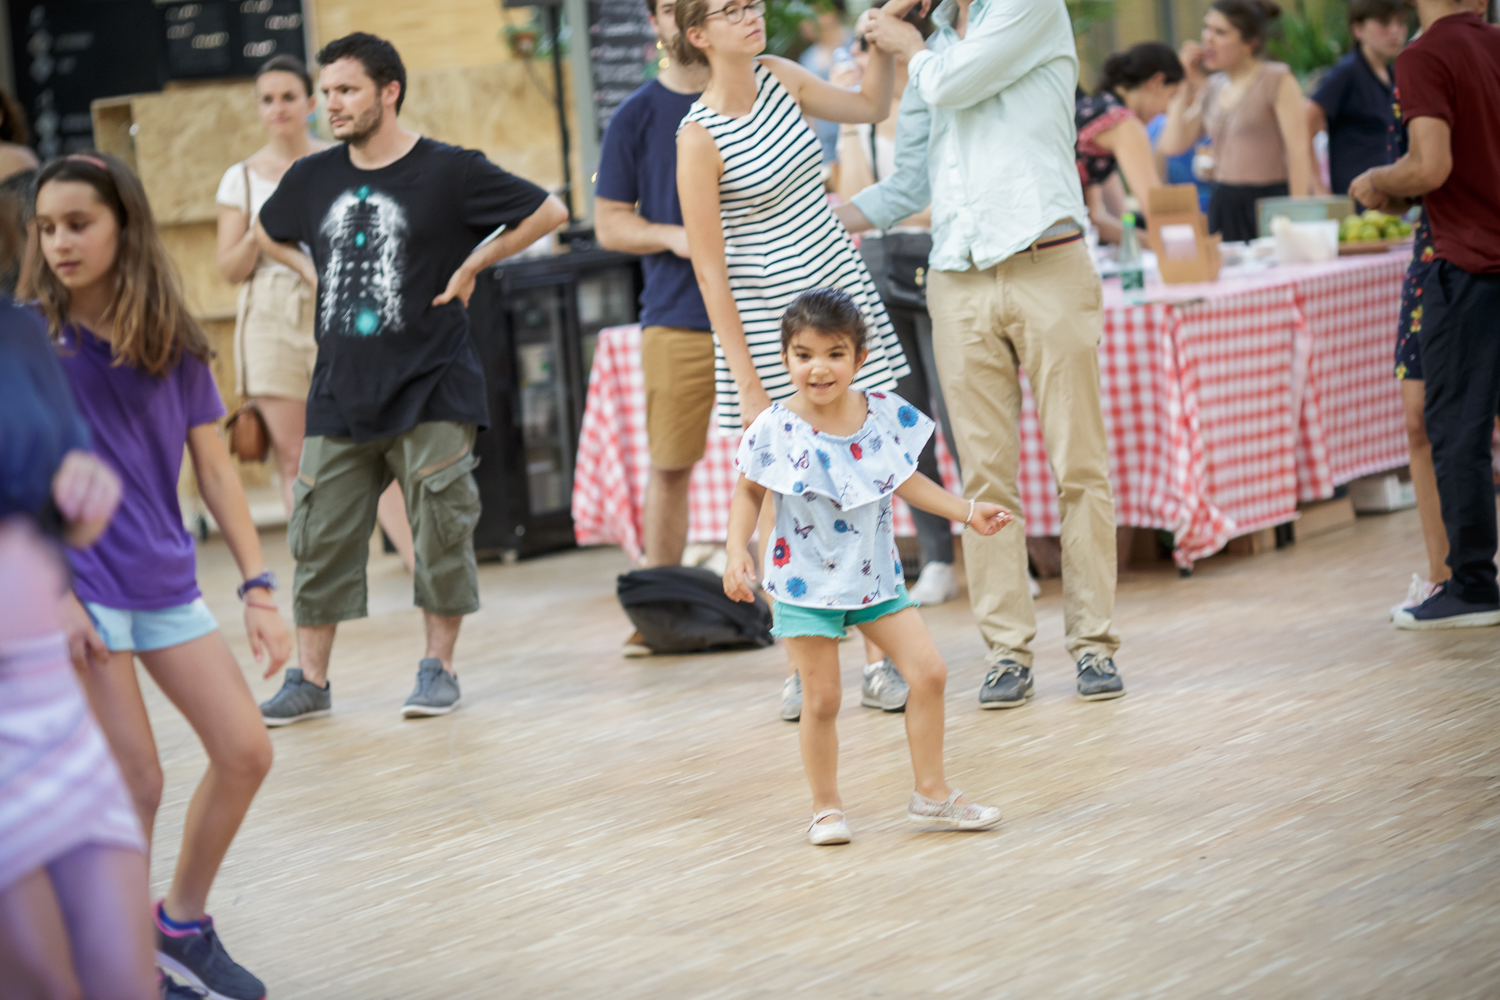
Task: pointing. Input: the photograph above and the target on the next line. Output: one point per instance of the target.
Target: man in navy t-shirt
(1355, 103)
(636, 210)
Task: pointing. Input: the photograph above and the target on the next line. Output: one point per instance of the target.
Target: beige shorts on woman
(274, 343)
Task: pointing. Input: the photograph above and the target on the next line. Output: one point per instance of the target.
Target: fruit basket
(1372, 246)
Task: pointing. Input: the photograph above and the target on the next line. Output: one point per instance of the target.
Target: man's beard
(364, 126)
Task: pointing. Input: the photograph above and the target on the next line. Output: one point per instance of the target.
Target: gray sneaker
(1098, 680)
(884, 687)
(436, 692)
(298, 699)
(791, 698)
(1007, 685)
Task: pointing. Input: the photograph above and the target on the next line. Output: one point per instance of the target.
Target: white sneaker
(791, 698)
(935, 585)
(821, 834)
(1417, 592)
(1036, 586)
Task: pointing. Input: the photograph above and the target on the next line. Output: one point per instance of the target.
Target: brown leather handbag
(248, 439)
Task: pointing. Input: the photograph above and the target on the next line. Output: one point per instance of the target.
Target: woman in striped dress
(759, 227)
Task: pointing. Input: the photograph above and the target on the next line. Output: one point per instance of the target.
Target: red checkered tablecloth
(1225, 404)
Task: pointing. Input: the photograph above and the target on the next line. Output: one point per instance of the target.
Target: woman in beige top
(1251, 111)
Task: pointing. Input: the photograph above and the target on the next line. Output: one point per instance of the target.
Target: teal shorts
(143, 631)
(788, 621)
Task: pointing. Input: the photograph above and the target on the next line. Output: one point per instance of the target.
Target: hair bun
(1270, 8)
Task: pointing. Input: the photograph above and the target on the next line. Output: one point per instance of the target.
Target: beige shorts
(274, 342)
(678, 366)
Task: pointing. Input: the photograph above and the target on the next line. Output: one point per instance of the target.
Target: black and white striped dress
(781, 238)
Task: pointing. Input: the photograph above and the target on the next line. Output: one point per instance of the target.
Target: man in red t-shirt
(1450, 100)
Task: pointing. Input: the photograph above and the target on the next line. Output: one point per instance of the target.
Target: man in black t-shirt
(398, 227)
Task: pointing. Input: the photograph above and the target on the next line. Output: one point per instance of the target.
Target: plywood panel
(194, 248)
(504, 109)
(186, 137)
(454, 33)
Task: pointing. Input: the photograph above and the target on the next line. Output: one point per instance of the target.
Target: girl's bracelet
(968, 521)
(263, 607)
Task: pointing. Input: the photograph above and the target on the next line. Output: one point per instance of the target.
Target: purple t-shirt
(145, 560)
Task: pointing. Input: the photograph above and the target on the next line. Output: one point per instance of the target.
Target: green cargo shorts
(338, 487)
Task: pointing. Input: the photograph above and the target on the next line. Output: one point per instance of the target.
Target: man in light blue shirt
(985, 134)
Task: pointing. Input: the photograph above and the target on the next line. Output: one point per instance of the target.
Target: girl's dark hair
(12, 120)
(150, 325)
(1138, 64)
(379, 57)
(287, 64)
(1253, 19)
(826, 310)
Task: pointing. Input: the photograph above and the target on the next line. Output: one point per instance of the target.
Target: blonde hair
(689, 14)
(149, 319)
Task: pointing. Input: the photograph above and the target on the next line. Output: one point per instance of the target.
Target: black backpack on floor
(683, 609)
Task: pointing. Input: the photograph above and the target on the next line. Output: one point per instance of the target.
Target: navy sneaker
(198, 957)
(1098, 680)
(1445, 609)
(1007, 685)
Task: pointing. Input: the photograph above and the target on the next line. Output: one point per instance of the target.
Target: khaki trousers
(1042, 311)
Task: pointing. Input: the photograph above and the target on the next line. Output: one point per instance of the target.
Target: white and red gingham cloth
(1225, 404)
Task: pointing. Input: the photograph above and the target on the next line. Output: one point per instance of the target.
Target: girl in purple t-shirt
(136, 362)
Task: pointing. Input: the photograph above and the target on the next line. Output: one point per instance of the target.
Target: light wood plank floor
(1294, 800)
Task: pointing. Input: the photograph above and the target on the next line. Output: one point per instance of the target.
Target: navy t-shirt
(638, 166)
(1361, 113)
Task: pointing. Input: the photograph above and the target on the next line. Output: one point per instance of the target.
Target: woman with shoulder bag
(275, 345)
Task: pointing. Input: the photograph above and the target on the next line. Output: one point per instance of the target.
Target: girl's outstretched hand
(269, 639)
(989, 517)
(738, 576)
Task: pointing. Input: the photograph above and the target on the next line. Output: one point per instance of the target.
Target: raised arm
(908, 190)
(1016, 37)
(821, 99)
(698, 169)
(1185, 112)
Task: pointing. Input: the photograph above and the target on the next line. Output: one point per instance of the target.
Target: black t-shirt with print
(385, 243)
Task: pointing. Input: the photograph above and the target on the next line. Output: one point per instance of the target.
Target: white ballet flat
(822, 834)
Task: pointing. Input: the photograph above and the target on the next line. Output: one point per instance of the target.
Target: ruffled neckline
(784, 453)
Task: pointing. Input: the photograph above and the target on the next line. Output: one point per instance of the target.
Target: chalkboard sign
(69, 53)
(622, 52)
(217, 38)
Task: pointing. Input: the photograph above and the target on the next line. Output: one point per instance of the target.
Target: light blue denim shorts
(144, 631)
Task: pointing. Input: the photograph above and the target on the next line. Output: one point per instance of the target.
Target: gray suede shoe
(436, 692)
(298, 699)
(884, 687)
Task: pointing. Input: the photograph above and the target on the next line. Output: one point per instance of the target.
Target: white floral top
(834, 546)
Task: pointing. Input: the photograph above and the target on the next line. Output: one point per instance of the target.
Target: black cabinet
(535, 324)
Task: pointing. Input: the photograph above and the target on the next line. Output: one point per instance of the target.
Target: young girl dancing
(137, 363)
(832, 458)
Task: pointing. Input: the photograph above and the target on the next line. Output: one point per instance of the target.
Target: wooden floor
(1294, 800)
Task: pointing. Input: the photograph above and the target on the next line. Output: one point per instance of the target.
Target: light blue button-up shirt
(985, 134)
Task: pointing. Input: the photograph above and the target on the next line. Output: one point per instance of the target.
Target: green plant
(1306, 44)
(784, 26)
(1087, 13)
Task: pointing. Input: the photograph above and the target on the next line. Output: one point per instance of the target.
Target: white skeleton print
(361, 286)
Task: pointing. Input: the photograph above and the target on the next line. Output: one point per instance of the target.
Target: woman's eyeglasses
(734, 13)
